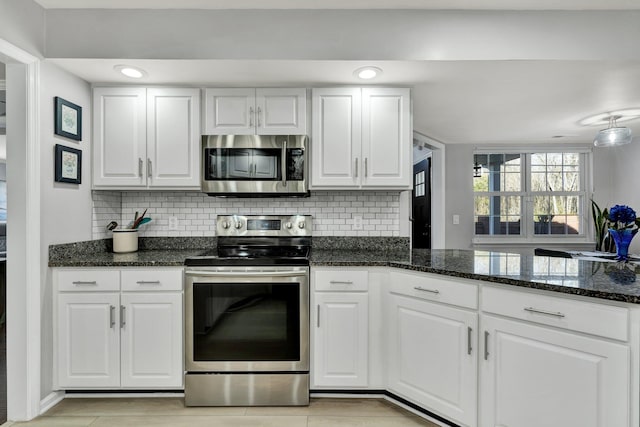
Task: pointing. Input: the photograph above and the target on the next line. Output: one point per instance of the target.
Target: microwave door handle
(284, 164)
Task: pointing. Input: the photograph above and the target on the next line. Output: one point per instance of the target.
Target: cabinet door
(229, 111)
(336, 138)
(281, 111)
(173, 137)
(433, 357)
(532, 376)
(341, 339)
(386, 137)
(119, 137)
(88, 338)
(151, 340)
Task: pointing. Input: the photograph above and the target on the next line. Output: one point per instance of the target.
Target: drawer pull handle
(112, 316)
(469, 332)
(340, 282)
(548, 313)
(432, 291)
(486, 345)
(148, 282)
(356, 168)
(93, 282)
(318, 317)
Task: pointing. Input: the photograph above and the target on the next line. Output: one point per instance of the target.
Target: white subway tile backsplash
(196, 212)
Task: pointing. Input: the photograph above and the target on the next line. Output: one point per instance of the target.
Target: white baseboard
(51, 400)
(120, 395)
(346, 395)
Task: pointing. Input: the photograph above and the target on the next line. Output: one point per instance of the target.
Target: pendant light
(613, 135)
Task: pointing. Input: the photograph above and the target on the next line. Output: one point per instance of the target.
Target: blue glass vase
(622, 239)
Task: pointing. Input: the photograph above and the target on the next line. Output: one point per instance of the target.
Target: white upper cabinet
(146, 138)
(361, 138)
(280, 111)
(119, 137)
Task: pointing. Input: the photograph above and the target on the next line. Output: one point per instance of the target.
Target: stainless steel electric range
(247, 314)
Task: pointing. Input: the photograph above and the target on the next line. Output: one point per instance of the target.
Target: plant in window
(604, 242)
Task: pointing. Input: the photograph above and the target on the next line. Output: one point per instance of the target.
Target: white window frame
(528, 237)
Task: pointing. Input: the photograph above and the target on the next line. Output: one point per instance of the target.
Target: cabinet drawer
(341, 280)
(581, 316)
(88, 280)
(152, 280)
(435, 288)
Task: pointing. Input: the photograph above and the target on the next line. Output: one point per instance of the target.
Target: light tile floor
(325, 412)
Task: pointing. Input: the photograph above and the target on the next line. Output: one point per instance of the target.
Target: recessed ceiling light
(367, 73)
(129, 71)
(603, 118)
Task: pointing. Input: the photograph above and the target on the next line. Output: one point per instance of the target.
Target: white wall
(620, 166)
(22, 23)
(65, 208)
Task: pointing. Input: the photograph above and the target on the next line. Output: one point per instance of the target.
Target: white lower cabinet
(123, 339)
(340, 329)
(433, 357)
(532, 376)
(88, 346)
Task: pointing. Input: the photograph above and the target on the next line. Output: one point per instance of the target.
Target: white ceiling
(454, 101)
(346, 4)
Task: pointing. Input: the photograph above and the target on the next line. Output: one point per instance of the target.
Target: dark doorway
(421, 210)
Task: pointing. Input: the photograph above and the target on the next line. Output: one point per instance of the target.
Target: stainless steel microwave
(255, 165)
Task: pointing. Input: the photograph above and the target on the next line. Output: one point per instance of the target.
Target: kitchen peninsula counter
(603, 280)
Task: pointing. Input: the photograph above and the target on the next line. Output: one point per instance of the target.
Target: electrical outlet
(357, 222)
(456, 220)
(173, 223)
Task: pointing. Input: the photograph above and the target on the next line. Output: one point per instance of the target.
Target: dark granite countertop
(604, 280)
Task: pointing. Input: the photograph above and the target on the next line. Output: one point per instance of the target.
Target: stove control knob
(238, 225)
(301, 224)
(288, 225)
(225, 225)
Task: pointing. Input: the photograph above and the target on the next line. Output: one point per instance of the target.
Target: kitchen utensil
(136, 223)
(143, 221)
(112, 225)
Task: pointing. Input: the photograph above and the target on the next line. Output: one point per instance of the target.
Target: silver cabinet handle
(250, 116)
(340, 282)
(148, 282)
(197, 274)
(255, 169)
(548, 313)
(112, 316)
(366, 169)
(433, 291)
(140, 167)
(318, 317)
(122, 320)
(486, 345)
(284, 164)
(259, 119)
(356, 174)
(149, 165)
(469, 332)
(93, 282)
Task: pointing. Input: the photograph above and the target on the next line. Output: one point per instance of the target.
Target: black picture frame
(67, 119)
(68, 165)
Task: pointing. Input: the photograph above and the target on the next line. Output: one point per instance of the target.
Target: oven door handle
(245, 273)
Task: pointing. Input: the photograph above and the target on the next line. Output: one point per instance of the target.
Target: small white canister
(125, 240)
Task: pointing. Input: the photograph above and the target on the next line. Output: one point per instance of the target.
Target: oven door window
(246, 322)
(238, 164)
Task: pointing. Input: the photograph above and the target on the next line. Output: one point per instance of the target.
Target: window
(523, 195)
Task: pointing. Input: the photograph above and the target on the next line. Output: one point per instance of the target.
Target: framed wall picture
(68, 119)
(68, 165)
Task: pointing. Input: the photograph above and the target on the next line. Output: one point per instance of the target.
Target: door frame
(23, 233)
(437, 187)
